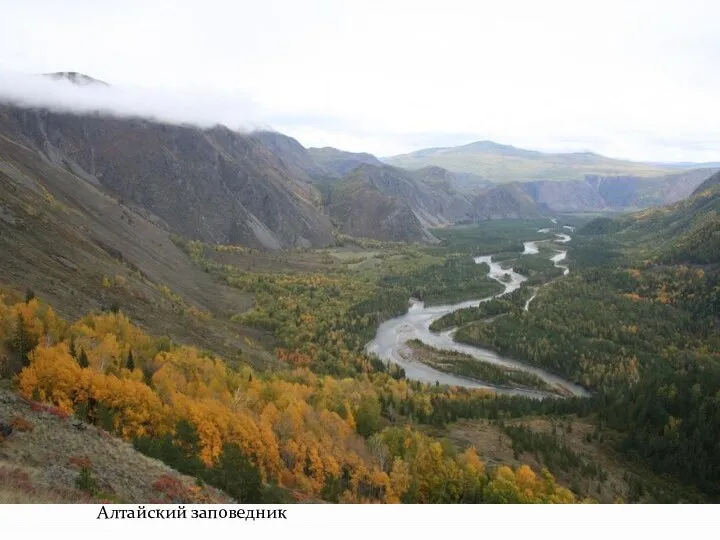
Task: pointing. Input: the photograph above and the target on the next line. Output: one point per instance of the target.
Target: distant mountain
(596, 192)
(508, 201)
(377, 201)
(339, 162)
(687, 232)
(74, 77)
(432, 204)
(714, 180)
(688, 165)
(367, 198)
(262, 189)
(266, 190)
(359, 208)
(503, 163)
(465, 182)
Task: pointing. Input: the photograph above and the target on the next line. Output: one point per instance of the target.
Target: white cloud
(631, 78)
(193, 107)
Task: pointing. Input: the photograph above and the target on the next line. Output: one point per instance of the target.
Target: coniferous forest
(635, 322)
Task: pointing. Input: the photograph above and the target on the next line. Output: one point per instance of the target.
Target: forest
(635, 322)
(260, 436)
(497, 306)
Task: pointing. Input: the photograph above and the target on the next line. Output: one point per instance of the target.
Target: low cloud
(384, 134)
(202, 109)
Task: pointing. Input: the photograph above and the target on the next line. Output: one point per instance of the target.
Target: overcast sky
(636, 79)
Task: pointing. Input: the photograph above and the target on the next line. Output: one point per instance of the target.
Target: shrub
(83, 462)
(173, 489)
(16, 478)
(21, 424)
(86, 482)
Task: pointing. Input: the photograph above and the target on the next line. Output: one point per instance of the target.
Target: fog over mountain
(82, 94)
(629, 80)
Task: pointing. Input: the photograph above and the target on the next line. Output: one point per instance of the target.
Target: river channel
(392, 335)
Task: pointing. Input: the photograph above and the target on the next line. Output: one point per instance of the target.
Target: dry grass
(63, 251)
(26, 485)
(42, 464)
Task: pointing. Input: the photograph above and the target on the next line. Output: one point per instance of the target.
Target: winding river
(391, 336)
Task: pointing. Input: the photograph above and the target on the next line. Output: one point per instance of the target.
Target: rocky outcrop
(215, 184)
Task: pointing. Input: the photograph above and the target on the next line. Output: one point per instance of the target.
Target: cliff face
(385, 198)
(503, 202)
(597, 192)
(264, 189)
(360, 209)
(216, 184)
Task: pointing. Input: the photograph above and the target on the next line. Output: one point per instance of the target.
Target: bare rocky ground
(42, 459)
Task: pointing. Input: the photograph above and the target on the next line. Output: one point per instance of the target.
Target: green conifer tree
(83, 359)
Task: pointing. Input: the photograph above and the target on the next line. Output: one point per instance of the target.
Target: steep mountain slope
(338, 162)
(359, 208)
(82, 249)
(374, 200)
(369, 199)
(714, 180)
(298, 160)
(503, 202)
(615, 192)
(504, 163)
(570, 196)
(635, 192)
(687, 232)
(435, 204)
(215, 184)
(463, 182)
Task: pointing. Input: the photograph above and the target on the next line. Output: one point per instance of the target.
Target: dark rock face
(503, 202)
(263, 189)
(361, 209)
(615, 192)
(215, 185)
(436, 202)
(294, 156)
(565, 196)
(384, 201)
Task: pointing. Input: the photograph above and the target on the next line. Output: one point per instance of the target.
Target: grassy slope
(501, 167)
(41, 465)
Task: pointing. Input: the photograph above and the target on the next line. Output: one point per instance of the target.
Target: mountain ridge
(211, 184)
(506, 163)
(264, 189)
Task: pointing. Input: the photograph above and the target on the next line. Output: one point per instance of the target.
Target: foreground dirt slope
(42, 459)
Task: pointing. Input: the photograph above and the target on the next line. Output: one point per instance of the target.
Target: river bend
(392, 335)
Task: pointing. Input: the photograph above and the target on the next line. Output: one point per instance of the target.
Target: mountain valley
(211, 306)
